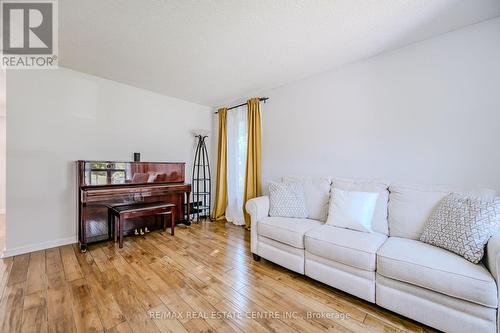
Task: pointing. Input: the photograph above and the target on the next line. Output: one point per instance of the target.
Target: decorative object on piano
(202, 185)
(101, 183)
(137, 157)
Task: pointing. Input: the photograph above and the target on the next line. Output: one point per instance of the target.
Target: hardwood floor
(203, 279)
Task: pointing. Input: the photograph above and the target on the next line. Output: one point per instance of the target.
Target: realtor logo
(29, 34)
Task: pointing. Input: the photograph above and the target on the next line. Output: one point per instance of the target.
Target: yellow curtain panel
(253, 174)
(220, 203)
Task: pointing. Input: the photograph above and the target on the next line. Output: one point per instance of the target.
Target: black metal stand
(202, 186)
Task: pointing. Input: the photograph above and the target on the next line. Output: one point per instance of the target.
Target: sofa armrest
(258, 208)
(493, 256)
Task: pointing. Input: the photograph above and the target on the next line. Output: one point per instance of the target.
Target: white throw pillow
(361, 185)
(352, 210)
(287, 200)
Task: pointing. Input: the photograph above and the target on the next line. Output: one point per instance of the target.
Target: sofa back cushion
(317, 195)
(411, 205)
(352, 209)
(379, 223)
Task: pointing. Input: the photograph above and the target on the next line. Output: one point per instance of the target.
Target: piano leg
(110, 231)
(188, 207)
(120, 228)
(83, 229)
(172, 220)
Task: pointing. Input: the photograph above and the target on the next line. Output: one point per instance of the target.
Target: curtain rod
(261, 99)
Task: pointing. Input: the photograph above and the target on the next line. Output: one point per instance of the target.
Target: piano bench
(118, 215)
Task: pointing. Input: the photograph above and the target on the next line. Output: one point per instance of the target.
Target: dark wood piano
(101, 183)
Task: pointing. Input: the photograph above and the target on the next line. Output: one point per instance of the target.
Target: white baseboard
(37, 247)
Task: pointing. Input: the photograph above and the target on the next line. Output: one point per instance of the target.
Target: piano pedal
(146, 230)
(136, 232)
(141, 231)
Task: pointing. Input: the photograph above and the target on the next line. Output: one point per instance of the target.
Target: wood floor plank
(84, 309)
(120, 328)
(59, 304)
(53, 261)
(85, 261)
(160, 281)
(5, 269)
(100, 258)
(132, 308)
(109, 311)
(244, 322)
(35, 312)
(11, 307)
(276, 306)
(378, 325)
(37, 277)
(19, 270)
(191, 297)
(71, 267)
(166, 323)
(275, 289)
(136, 283)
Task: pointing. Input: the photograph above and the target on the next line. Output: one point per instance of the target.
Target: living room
(269, 166)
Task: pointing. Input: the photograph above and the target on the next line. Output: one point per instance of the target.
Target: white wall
(427, 113)
(56, 117)
(2, 163)
(2, 144)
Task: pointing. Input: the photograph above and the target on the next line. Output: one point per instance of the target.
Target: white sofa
(389, 267)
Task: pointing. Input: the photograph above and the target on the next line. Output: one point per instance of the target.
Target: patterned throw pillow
(287, 200)
(463, 225)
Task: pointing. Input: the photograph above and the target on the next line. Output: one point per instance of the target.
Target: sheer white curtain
(236, 163)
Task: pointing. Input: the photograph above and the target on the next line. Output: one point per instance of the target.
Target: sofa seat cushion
(436, 269)
(349, 247)
(286, 230)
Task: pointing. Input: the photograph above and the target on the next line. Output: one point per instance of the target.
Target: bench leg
(110, 231)
(120, 221)
(115, 226)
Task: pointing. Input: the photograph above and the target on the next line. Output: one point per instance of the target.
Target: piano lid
(106, 173)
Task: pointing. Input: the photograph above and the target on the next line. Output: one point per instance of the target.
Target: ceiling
(211, 52)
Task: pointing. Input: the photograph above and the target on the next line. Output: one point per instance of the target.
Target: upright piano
(103, 183)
